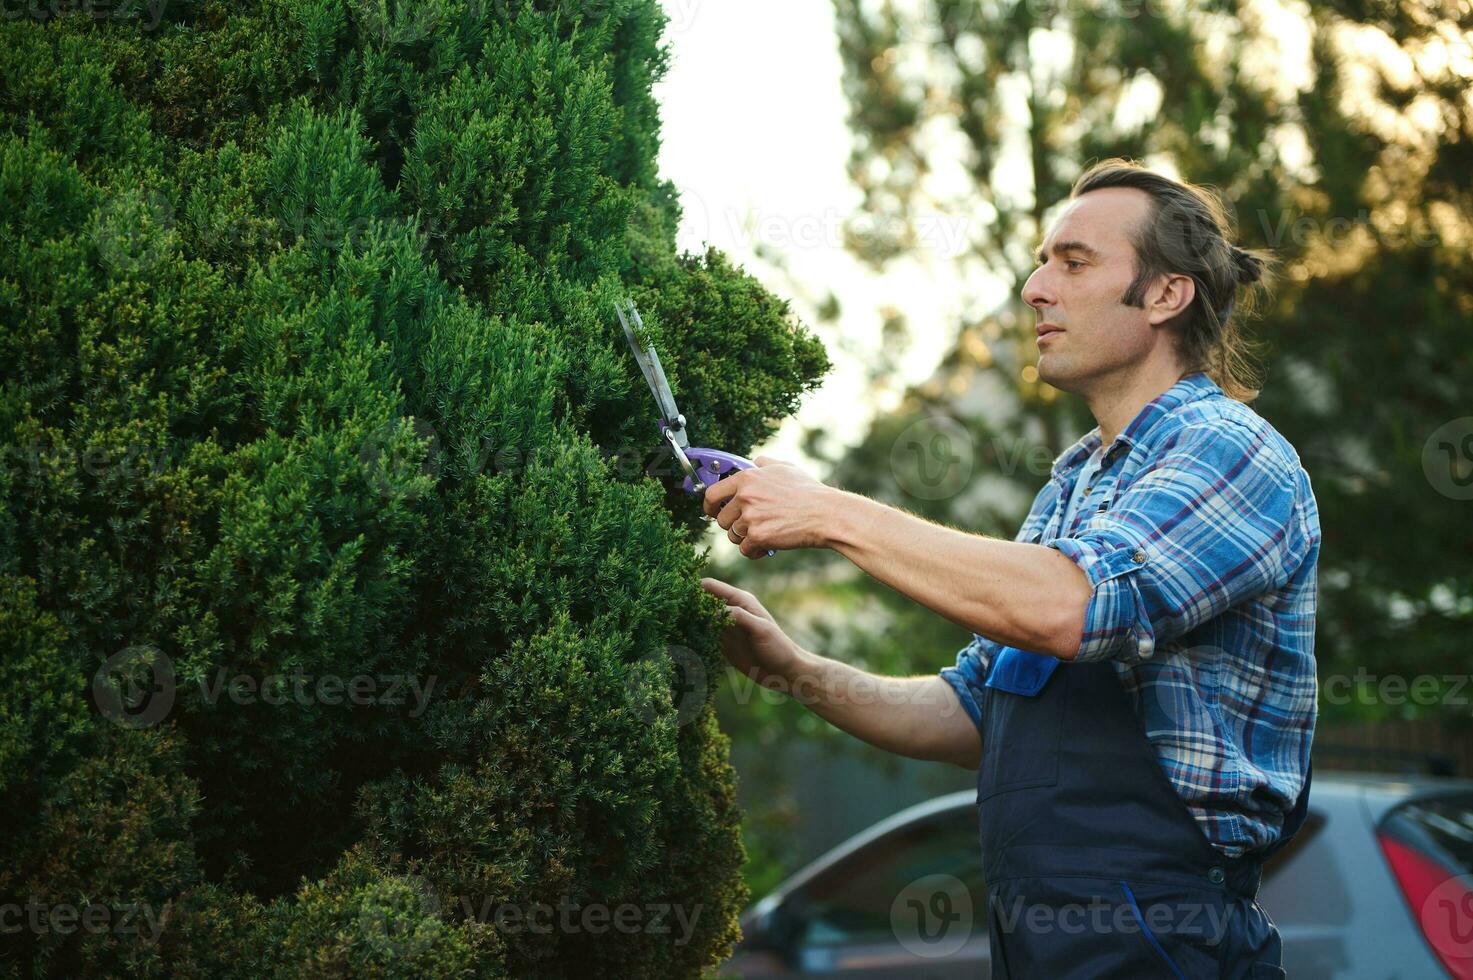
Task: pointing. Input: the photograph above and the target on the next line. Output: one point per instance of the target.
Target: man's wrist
(802, 661)
(803, 672)
(846, 518)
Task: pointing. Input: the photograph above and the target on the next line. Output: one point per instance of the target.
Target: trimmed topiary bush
(344, 631)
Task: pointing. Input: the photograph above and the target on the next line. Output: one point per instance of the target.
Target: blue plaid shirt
(1200, 537)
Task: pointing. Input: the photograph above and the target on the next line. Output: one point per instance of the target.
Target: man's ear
(1169, 298)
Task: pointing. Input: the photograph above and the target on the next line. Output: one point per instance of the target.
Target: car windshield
(855, 900)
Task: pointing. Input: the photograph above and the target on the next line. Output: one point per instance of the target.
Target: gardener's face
(1086, 263)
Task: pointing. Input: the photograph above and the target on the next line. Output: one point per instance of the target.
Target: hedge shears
(702, 467)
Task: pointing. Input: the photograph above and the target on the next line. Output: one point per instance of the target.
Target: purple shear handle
(712, 465)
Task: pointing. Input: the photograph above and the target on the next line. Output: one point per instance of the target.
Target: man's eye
(1071, 263)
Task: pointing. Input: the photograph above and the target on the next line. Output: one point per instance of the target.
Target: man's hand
(755, 644)
(775, 506)
(917, 717)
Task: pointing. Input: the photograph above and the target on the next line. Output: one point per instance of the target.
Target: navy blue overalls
(1095, 867)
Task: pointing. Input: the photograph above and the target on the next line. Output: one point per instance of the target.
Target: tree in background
(342, 631)
(1355, 172)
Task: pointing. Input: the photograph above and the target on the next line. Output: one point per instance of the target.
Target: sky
(755, 139)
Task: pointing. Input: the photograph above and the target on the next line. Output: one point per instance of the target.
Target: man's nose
(1035, 291)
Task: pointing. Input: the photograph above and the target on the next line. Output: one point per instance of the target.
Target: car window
(1441, 825)
(1285, 856)
(854, 900)
(1303, 884)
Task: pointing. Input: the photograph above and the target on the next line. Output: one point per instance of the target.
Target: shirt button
(1216, 876)
(1139, 557)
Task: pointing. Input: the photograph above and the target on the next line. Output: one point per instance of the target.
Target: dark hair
(1188, 231)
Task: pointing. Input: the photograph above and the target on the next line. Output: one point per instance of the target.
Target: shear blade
(654, 373)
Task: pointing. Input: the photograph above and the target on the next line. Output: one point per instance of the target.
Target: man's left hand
(773, 506)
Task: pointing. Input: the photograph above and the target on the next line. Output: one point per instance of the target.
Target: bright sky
(755, 139)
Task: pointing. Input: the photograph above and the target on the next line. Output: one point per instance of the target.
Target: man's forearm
(917, 717)
(1024, 595)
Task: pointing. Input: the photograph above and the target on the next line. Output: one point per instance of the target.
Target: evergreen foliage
(311, 376)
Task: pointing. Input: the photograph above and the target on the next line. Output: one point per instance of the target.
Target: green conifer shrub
(340, 621)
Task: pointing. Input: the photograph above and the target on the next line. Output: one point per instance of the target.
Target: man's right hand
(754, 644)
(917, 717)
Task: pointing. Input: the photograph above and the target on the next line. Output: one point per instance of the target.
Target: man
(1142, 671)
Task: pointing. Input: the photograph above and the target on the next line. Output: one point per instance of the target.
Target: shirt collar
(1190, 388)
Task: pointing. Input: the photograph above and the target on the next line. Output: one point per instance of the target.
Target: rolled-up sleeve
(1212, 521)
(969, 675)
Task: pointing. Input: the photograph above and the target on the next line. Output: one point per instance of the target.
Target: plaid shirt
(1200, 537)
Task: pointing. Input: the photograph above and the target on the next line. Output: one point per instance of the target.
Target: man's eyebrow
(1071, 246)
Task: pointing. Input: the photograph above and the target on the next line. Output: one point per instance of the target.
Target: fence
(1400, 747)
